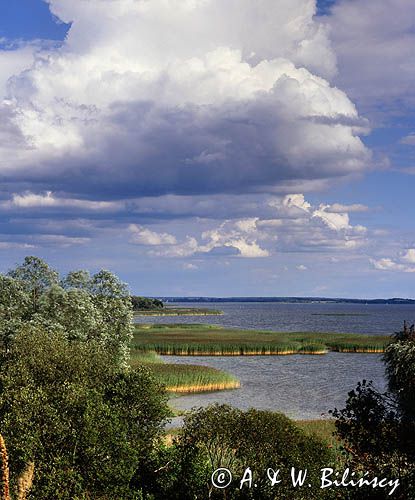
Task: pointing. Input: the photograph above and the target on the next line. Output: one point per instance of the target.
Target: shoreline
(178, 312)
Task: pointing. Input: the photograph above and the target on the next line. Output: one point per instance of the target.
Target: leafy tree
(77, 279)
(14, 309)
(80, 306)
(378, 429)
(112, 299)
(72, 312)
(85, 424)
(144, 303)
(36, 276)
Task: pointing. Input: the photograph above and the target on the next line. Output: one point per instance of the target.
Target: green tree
(72, 312)
(36, 276)
(80, 306)
(14, 309)
(144, 303)
(87, 425)
(110, 295)
(378, 429)
(77, 279)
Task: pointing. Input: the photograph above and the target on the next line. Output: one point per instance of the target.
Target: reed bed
(179, 378)
(205, 340)
(176, 349)
(178, 311)
(144, 357)
(193, 378)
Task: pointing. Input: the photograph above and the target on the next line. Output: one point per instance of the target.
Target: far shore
(178, 311)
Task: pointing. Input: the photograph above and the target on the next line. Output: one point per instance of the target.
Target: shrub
(379, 428)
(86, 424)
(222, 436)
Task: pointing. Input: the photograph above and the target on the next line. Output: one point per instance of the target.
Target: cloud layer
(184, 97)
(293, 225)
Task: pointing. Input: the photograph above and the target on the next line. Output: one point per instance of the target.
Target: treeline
(291, 300)
(146, 304)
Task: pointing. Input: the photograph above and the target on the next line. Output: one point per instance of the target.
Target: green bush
(379, 428)
(222, 436)
(85, 423)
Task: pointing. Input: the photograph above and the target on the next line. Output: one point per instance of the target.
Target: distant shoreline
(287, 300)
(178, 311)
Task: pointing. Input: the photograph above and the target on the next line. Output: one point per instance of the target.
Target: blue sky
(197, 150)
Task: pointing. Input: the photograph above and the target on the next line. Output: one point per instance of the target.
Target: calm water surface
(340, 318)
(303, 387)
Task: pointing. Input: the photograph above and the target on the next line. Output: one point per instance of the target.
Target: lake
(340, 318)
(303, 387)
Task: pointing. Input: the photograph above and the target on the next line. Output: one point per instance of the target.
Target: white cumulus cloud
(143, 95)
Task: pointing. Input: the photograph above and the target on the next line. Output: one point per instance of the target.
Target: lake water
(303, 387)
(341, 318)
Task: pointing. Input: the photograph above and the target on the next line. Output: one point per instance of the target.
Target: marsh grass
(208, 340)
(193, 378)
(179, 378)
(178, 311)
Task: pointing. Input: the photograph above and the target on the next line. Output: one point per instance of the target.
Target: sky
(210, 148)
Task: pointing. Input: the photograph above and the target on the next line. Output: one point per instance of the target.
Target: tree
(378, 429)
(110, 295)
(80, 280)
(80, 306)
(72, 312)
(144, 303)
(14, 309)
(36, 276)
(86, 424)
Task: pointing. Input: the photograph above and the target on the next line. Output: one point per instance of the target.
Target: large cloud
(180, 96)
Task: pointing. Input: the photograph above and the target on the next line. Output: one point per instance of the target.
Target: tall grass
(193, 378)
(178, 311)
(205, 340)
(210, 349)
(325, 430)
(184, 378)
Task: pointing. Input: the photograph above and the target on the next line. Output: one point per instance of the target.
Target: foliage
(86, 424)
(81, 306)
(144, 303)
(36, 276)
(15, 309)
(379, 428)
(222, 436)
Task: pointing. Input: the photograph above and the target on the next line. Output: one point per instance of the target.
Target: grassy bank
(185, 378)
(206, 340)
(178, 311)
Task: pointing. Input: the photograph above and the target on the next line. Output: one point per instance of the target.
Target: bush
(379, 428)
(222, 436)
(86, 424)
